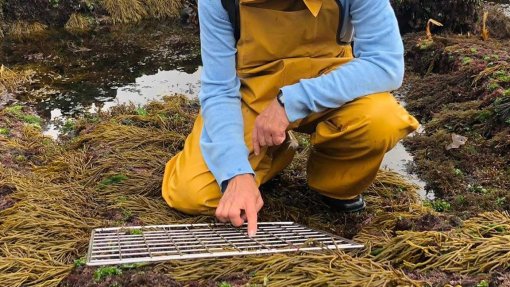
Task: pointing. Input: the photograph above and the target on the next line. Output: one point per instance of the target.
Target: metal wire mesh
(184, 241)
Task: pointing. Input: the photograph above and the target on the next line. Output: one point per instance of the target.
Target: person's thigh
(190, 187)
(349, 143)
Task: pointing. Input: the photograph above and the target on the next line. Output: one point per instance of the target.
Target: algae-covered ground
(109, 174)
(464, 90)
(106, 170)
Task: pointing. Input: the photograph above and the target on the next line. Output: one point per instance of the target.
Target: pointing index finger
(251, 214)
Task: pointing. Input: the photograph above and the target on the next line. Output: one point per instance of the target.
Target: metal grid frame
(137, 244)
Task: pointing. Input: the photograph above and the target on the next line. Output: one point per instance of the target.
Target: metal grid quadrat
(138, 244)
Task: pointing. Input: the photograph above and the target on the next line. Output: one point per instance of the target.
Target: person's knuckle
(232, 214)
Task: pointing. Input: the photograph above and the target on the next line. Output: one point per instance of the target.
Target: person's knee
(193, 194)
(386, 123)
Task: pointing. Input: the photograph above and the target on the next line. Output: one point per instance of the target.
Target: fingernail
(252, 233)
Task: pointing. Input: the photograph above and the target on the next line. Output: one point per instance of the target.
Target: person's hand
(240, 202)
(270, 127)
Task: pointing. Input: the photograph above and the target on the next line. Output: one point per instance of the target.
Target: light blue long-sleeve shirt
(378, 67)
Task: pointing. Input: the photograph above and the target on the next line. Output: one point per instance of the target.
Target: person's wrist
(241, 177)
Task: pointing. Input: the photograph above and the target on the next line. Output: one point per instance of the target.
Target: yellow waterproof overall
(282, 42)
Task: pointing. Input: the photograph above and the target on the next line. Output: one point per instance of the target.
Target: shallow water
(117, 64)
(399, 160)
(144, 89)
(75, 75)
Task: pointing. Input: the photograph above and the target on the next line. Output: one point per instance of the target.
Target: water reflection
(146, 88)
(399, 160)
(151, 87)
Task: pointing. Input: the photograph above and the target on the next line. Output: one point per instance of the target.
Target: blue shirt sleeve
(222, 140)
(378, 65)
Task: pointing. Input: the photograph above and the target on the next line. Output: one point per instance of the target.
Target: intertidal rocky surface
(106, 167)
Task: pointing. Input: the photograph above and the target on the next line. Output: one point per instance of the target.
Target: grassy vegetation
(103, 272)
(4, 131)
(439, 205)
(17, 111)
(125, 11)
(114, 179)
(10, 80)
(135, 232)
(79, 262)
(79, 23)
(163, 8)
(24, 22)
(21, 30)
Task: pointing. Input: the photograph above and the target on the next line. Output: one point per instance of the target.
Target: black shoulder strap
(345, 30)
(232, 8)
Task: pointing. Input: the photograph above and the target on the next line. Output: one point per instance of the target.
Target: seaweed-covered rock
(457, 15)
(57, 13)
(49, 12)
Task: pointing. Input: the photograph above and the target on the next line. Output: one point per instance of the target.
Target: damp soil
(144, 277)
(6, 200)
(438, 278)
(428, 222)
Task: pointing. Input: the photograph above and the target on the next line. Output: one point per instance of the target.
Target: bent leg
(190, 187)
(349, 144)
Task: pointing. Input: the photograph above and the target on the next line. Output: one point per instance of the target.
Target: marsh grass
(10, 80)
(125, 11)
(129, 11)
(79, 23)
(163, 8)
(21, 30)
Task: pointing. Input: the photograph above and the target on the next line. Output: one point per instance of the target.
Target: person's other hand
(240, 202)
(270, 127)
